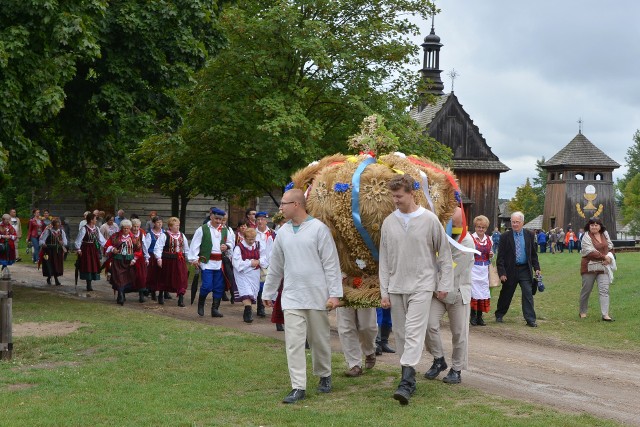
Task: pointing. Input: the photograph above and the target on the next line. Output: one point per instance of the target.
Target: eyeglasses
(286, 203)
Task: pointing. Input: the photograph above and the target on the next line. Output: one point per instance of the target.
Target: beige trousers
(458, 324)
(603, 291)
(312, 325)
(357, 329)
(410, 315)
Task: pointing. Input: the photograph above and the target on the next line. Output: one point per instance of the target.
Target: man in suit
(517, 257)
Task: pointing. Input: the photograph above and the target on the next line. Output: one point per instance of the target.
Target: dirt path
(514, 364)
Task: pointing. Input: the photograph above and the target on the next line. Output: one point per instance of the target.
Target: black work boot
(201, 302)
(438, 366)
(247, 316)
(407, 385)
(378, 348)
(260, 311)
(473, 320)
(160, 297)
(180, 300)
(385, 331)
(453, 377)
(141, 298)
(89, 287)
(215, 307)
(479, 319)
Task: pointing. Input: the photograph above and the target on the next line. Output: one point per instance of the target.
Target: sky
(529, 70)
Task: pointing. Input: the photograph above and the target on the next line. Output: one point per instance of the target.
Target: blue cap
(218, 212)
(262, 214)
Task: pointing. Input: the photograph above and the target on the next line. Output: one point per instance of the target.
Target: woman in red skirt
(171, 252)
(120, 249)
(88, 246)
(150, 240)
(7, 242)
(141, 257)
(53, 242)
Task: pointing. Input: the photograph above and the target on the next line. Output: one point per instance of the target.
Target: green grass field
(126, 367)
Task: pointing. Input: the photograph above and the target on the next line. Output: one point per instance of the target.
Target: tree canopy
(526, 200)
(294, 82)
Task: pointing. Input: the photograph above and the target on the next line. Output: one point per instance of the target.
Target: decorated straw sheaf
(334, 183)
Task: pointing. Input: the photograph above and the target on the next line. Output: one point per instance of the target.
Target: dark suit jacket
(506, 262)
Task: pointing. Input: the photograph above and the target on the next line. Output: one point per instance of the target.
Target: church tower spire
(431, 64)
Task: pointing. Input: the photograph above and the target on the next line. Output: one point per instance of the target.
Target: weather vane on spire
(452, 75)
(580, 125)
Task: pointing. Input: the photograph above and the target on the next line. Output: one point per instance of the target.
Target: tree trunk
(175, 203)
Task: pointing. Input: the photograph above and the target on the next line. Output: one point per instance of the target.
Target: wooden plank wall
(482, 188)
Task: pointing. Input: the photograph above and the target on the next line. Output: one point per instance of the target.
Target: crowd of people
(294, 269)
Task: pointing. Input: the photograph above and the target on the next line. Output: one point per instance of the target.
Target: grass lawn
(126, 367)
(557, 307)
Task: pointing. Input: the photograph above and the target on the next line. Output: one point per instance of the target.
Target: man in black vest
(205, 252)
(517, 257)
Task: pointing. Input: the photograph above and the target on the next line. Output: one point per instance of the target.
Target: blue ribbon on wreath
(355, 206)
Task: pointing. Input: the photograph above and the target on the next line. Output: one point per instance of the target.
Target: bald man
(305, 255)
(456, 304)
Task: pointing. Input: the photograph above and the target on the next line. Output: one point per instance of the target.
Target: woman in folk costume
(150, 240)
(53, 242)
(141, 257)
(480, 295)
(247, 261)
(171, 252)
(8, 238)
(88, 245)
(121, 248)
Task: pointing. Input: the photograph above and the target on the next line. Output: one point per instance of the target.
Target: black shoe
(473, 319)
(141, 298)
(247, 316)
(479, 320)
(167, 295)
(201, 302)
(532, 324)
(324, 386)
(279, 327)
(180, 300)
(438, 366)
(385, 348)
(224, 296)
(153, 296)
(161, 298)
(57, 282)
(385, 331)
(89, 287)
(49, 281)
(453, 377)
(378, 349)
(120, 299)
(499, 319)
(295, 395)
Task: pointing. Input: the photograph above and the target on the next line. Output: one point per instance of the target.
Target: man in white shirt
(415, 262)
(205, 252)
(305, 255)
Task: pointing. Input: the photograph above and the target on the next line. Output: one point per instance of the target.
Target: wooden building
(477, 168)
(580, 186)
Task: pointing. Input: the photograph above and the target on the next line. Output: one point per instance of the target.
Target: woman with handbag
(593, 267)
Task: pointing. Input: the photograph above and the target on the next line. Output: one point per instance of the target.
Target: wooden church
(579, 187)
(477, 168)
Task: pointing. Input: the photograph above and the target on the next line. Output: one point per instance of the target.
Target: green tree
(527, 201)
(631, 206)
(294, 83)
(633, 168)
(540, 185)
(84, 82)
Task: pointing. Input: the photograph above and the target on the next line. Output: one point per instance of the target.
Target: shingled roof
(425, 117)
(581, 152)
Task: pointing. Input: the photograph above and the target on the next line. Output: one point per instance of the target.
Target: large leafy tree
(105, 77)
(294, 83)
(527, 201)
(631, 207)
(633, 168)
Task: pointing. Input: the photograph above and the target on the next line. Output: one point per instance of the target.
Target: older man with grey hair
(517, 258)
